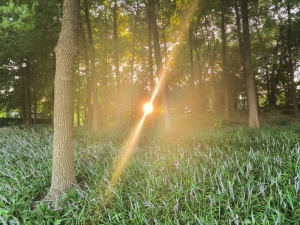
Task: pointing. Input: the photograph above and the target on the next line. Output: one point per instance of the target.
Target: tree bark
(192, 69)
(117, 66)
(159, 65)
(290, 62)
(91, 49)
(88, 87)
(150, 59)
(131, 101)
(34, 106)
(224, 61)
(200, 106)
(249, 77)
(27, 94)
(63, 172)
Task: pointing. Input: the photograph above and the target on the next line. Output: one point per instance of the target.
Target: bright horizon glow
(128, 149)
(148, 108)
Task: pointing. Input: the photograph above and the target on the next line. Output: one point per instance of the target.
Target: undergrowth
(231, 175)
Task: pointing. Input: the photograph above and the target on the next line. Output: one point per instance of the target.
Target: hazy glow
(183, 28)
(128, 149)
(148, 108)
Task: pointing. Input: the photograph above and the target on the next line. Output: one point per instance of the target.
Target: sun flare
(128, 149)
(148, 108)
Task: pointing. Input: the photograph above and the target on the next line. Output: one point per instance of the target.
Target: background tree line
(242, 54)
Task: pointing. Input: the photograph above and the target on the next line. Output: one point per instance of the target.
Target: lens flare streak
(128, 150)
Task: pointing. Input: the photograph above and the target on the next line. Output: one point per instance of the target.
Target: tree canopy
(117, 67)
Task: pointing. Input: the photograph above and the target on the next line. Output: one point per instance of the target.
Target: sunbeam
(128, 150)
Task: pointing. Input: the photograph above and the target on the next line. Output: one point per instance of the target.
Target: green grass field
(220, 174)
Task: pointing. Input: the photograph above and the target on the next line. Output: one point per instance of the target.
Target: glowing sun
(148, 108)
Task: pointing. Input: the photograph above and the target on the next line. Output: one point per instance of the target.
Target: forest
(223, 56)
(149, 112)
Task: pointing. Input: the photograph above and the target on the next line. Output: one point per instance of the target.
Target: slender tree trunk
(239, 31)
(63, 172)
(274, 76)
(27, 94)
(200, 86)
(249, 77)
(78, 87)
(131, 103)
(290, 62)
(268, 85)
(104, 75)
(78, 111)
(224, 62)
(117, 65)
(192, 69)
(87, 120)
(95, 121)
(272, 95)
(34, 106)
(150, 58)
(159, 66)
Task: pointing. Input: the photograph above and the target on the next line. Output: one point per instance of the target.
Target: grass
(232, 175)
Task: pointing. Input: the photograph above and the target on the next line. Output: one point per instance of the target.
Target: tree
(224, 60)
(158, 61)
(117, 65)
(290, 62)
(95, 122)
(246, 61)
(63, 172)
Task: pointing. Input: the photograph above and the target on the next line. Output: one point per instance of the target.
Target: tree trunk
(63, 172)
(87, 117)
(200, 87)
(27, 94)
(192, 69)
(131, 101)
(91, 49)
(239, 31)
(249, 77)
(159, 66)
(224, 62)
(150, 58)
(117, 66)
(290, 62)
(104, 75)
(34, 106)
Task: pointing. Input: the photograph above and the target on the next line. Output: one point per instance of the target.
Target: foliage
(219, 176)
(28, 35)
(29, 31)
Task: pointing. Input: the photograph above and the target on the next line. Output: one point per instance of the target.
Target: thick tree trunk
(249, 77)
(63, 172)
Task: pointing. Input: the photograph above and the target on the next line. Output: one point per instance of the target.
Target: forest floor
(214, 119)
(208, 171)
